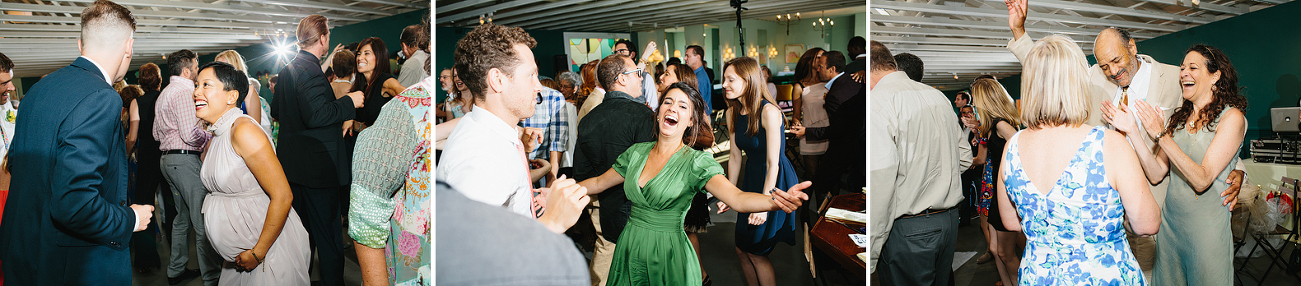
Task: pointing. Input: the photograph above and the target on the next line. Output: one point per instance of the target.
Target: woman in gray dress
(249, 218)
(1197, 146)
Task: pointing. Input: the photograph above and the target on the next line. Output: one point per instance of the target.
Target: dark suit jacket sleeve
(322, 109)
(81, 160)
(836, 98)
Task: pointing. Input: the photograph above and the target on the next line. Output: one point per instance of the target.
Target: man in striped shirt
(181, 137)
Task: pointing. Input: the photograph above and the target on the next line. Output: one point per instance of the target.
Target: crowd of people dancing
(263, 181)
(636, 144)
(1060, 197)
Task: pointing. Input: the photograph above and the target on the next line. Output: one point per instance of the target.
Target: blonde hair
(234, 59)
(993, 103)
(1054, 84)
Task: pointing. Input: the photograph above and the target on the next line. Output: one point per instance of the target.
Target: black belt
(929, 212)
(188, 152)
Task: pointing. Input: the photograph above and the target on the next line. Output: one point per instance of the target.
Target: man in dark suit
(857, 50)
(846, 105)
(311, 131)
(67, 219)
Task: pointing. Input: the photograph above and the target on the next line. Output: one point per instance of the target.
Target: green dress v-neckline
(642, 186)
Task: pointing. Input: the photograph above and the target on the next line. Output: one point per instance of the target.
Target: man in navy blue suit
(67, 221)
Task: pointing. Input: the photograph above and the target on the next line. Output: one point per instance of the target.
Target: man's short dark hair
(6, 65)
(627, 43)
(964, 95)
(178, 61)
(910, 64)
(232, 78)
(609, 70)
(835, 59)
(696, 49)
(484, 48)
(881, 60)
(857, 46)
(673, 61)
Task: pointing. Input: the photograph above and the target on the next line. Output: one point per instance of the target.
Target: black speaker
(561, 63)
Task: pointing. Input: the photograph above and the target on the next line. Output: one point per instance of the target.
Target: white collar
(859, 56)
(1139, 85)
(101, 70)
(833, 80)
(494, 124)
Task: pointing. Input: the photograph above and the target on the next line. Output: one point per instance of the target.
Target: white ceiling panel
(41, 36)
(962, 39)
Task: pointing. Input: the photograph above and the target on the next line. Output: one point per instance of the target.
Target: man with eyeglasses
(607, 131)
(650, 96)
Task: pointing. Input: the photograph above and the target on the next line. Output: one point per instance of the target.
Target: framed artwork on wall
(793, 53)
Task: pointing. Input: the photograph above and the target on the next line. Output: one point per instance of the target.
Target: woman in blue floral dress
(1071, 189)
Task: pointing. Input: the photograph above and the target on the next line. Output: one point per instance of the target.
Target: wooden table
(833, 239)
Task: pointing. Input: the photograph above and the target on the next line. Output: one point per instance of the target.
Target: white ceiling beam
(940, 41)
(463, 4)
(238, 9)
(146, 22)
(999, 26)
(714, 15)
(966, 33)
(570, 12)
(485, 10)
(706, 12)
(170, 14)
(138, 36)
(1002, 14)
(532, 11)
(303, 4)
(71, 28)
(399, 3)
(1203, 6)
(909, 48)
(1107, 9)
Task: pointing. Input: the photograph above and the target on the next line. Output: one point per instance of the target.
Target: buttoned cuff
(136, 225)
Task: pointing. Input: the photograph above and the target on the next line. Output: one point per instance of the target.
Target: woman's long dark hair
(380, 51)
(1224, 93)
(700, 135)
(805, 66)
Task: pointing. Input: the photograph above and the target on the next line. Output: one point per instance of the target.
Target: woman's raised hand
(1152, 117)
(1118, 117)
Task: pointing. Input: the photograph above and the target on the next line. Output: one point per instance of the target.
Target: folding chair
(1275, 252)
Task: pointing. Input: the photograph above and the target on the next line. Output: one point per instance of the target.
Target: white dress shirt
(481, 159)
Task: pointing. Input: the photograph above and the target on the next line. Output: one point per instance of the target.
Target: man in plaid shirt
(549, 115)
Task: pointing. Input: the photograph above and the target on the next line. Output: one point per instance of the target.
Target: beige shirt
(918, 154)
(593, 99)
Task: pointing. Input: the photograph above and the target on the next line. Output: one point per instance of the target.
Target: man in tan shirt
(918, 155)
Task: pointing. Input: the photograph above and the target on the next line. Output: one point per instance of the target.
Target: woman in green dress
(1200, 142)
(661, 178)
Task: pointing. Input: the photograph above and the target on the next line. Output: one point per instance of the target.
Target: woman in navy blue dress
(758, 129)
